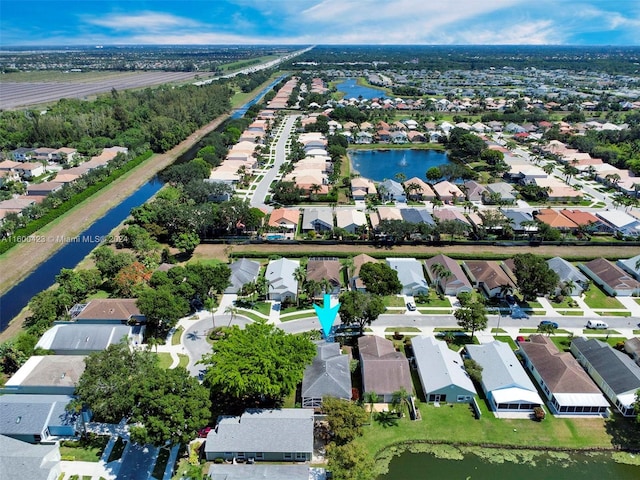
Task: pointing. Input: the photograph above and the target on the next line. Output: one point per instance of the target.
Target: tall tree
(534, 277)
(258, 363)
(360, 308)
(350, 462)
(380, 278)
(345, 419)
(472, 317)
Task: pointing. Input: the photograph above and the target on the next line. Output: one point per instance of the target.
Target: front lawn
(298, 316)
(432, 300)
(595, 297)
(570, 313)
(507, 339)
(262, 307)
(393, 301)
(614, 314)
(164, 360)
(84, 450)
(402, 329)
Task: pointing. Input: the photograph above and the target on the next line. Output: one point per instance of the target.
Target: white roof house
(631, 265)
(504, 381)
(410, 274)
(620, 221)
(282, 285)
(441, 372)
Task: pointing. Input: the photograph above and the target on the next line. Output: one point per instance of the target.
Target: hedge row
(51, 215)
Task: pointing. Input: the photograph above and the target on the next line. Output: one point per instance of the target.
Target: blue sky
(106, 22)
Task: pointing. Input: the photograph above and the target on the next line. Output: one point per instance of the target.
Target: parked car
(411, 306)
(597, 324)
(544, 323)
(511, 300)
(203, 432)
(520, 339)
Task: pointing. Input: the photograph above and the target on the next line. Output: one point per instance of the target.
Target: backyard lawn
(595, 297)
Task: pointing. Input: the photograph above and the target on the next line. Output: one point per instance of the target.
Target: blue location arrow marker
(326, 314)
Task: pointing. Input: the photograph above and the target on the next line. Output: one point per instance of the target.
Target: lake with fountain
(379, 165)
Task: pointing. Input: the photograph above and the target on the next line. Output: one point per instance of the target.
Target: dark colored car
(543, 323)
(411, 307)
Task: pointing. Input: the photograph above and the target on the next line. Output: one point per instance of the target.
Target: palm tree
(436, 202)
(233, 311)
(568, 286)
(505, 290)
(413, 189)
(299, 275)
(262, 286)
(613, 179)
(399, 398)
(401, 177)
(548, 168)
(371, 398)
(314, 189)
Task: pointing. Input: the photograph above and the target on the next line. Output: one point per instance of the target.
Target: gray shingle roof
(616, 369)
(23, 460)
(439, 366)
(565, 270)
(285, 430)
(31, 414)
(414, 215)
(501, 368)
(329, 374)
(242, 271)
(83, 337)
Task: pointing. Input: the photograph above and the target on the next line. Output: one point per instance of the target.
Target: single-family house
(361, 187)
(614, 372)
(568, 275)
(410, 274)
(418, 189)
(587, 220)
(489, 276)
(320, 269)
(284, 435)
(441, 372)
(243, 271)
(566, 385)
(328, 375)
(620, 221)
(504, 381)
(474, 191)
(44, 188)
(417, 215)
(499, 193)
(85, 338)
(451, 215)
(29, 170)
(631, 265)
(448, 192)
(384, 370)
(317, 219)
(350, 219)
(521, 222)
(452, 280)
(354, 281)
(282, 285)
(555, 219)
(22, 154)
(32, 462)
(285, 218)
(47, 374)
(108, 310)
(64, 154)
(37, 418)
(363, 137)
(244, 471)
(390, 190)
(613, 280)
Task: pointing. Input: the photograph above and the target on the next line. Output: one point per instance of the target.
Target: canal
(76, 248)
(521, 465)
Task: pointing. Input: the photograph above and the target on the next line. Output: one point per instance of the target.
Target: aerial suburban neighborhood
(171, 250)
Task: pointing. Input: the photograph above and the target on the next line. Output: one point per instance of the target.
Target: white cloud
(146, 21)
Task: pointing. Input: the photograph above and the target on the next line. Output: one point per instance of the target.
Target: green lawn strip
(85, 450)
(161, 463)
(448, 329)
(533, 304)
(596, 298)
(498, 330)
(165, 361)
(434, 301)
(558, 331)
(184, 360)
(567, 302)
(456, 424)
(571, 313)
(393, 301)
(431, 311)
(177, 336)
(636, 332)
(252, 316)
(591, 331)
(117, 451)
(297, 316)
(402, 329)
(613, 314)
(507, 339)
(262, 307)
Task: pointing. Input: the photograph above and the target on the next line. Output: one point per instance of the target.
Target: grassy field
(164, 360)
(457, 424)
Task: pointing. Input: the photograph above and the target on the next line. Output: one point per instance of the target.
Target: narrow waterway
(76, 248)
